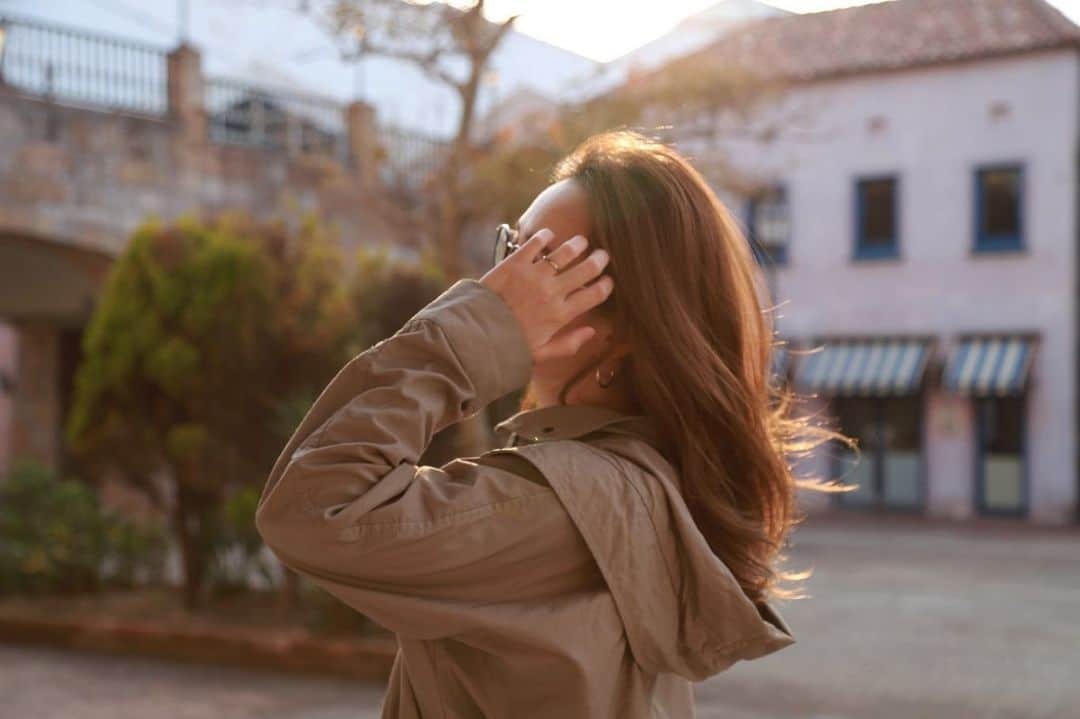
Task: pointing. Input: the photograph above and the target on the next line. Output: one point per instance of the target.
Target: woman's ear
(617, 348)
(615, 341)
(612, 345)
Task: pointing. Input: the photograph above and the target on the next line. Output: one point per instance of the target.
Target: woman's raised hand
(545, 301)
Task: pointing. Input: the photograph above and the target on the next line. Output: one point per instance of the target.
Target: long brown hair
(689, 297)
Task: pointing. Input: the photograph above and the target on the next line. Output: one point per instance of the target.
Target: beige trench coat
(558, 576)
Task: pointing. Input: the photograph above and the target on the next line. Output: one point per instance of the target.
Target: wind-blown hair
(686, 296)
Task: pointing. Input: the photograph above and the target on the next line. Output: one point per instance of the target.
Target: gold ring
(551, 262)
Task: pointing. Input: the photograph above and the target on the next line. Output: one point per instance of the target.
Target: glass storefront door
(901, 470)
(857, 418)
(889, 471)
(1001, 486)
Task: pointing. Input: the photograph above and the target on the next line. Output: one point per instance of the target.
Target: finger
(567, 345)
(584, 271)
(568, 251)
(589, 296)
(535, 246)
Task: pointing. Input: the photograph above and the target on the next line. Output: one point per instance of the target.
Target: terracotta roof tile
(892, 35)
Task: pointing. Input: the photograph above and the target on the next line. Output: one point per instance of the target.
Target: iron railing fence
(101, 71)
(411, 158)
(240, 113)
(70, 65)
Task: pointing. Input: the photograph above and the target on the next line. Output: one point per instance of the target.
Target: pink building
(917, 216)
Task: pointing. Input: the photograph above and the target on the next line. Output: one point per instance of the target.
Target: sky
(584, 26)
(261, 42)
(597, 29)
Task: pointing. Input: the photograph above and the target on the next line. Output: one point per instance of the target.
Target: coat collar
(563, 421)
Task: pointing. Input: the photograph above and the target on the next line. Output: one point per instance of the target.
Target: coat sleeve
(415, 547)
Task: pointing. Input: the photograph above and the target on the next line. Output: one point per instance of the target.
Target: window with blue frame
(769, 225)
(876, 232)
(999, 212)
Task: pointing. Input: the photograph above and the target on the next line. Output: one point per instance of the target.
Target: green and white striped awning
(878, 366)
(990, 365)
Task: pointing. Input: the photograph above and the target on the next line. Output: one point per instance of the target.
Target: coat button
(548, 429)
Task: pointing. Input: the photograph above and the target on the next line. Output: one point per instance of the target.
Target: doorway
(1001, 473)
(889, 473)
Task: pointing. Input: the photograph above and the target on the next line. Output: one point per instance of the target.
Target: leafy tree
(384, 293)
(695, 104)
(205, 331)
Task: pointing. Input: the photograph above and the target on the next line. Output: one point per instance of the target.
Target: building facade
(918, 224)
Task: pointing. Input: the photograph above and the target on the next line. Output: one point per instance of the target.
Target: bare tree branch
(451, 45)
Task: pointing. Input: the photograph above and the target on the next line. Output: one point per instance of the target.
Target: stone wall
(87, 178)
(76, 180)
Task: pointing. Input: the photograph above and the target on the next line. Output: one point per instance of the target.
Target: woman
(620, 546)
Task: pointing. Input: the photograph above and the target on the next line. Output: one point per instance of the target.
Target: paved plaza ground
(908, 618)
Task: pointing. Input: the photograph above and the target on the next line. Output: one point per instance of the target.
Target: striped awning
(990, 365)
(878, 366)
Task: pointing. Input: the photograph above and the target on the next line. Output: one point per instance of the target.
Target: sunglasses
(506, 241)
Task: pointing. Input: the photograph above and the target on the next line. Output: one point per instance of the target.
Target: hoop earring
(610, 378)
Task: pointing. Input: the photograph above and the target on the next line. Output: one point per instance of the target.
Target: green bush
(238, 551)
(55, 537)
(385, 292)
(137, 553)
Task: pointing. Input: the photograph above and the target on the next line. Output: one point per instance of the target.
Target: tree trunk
(451, 213)
(188, 527)
(451, 231)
